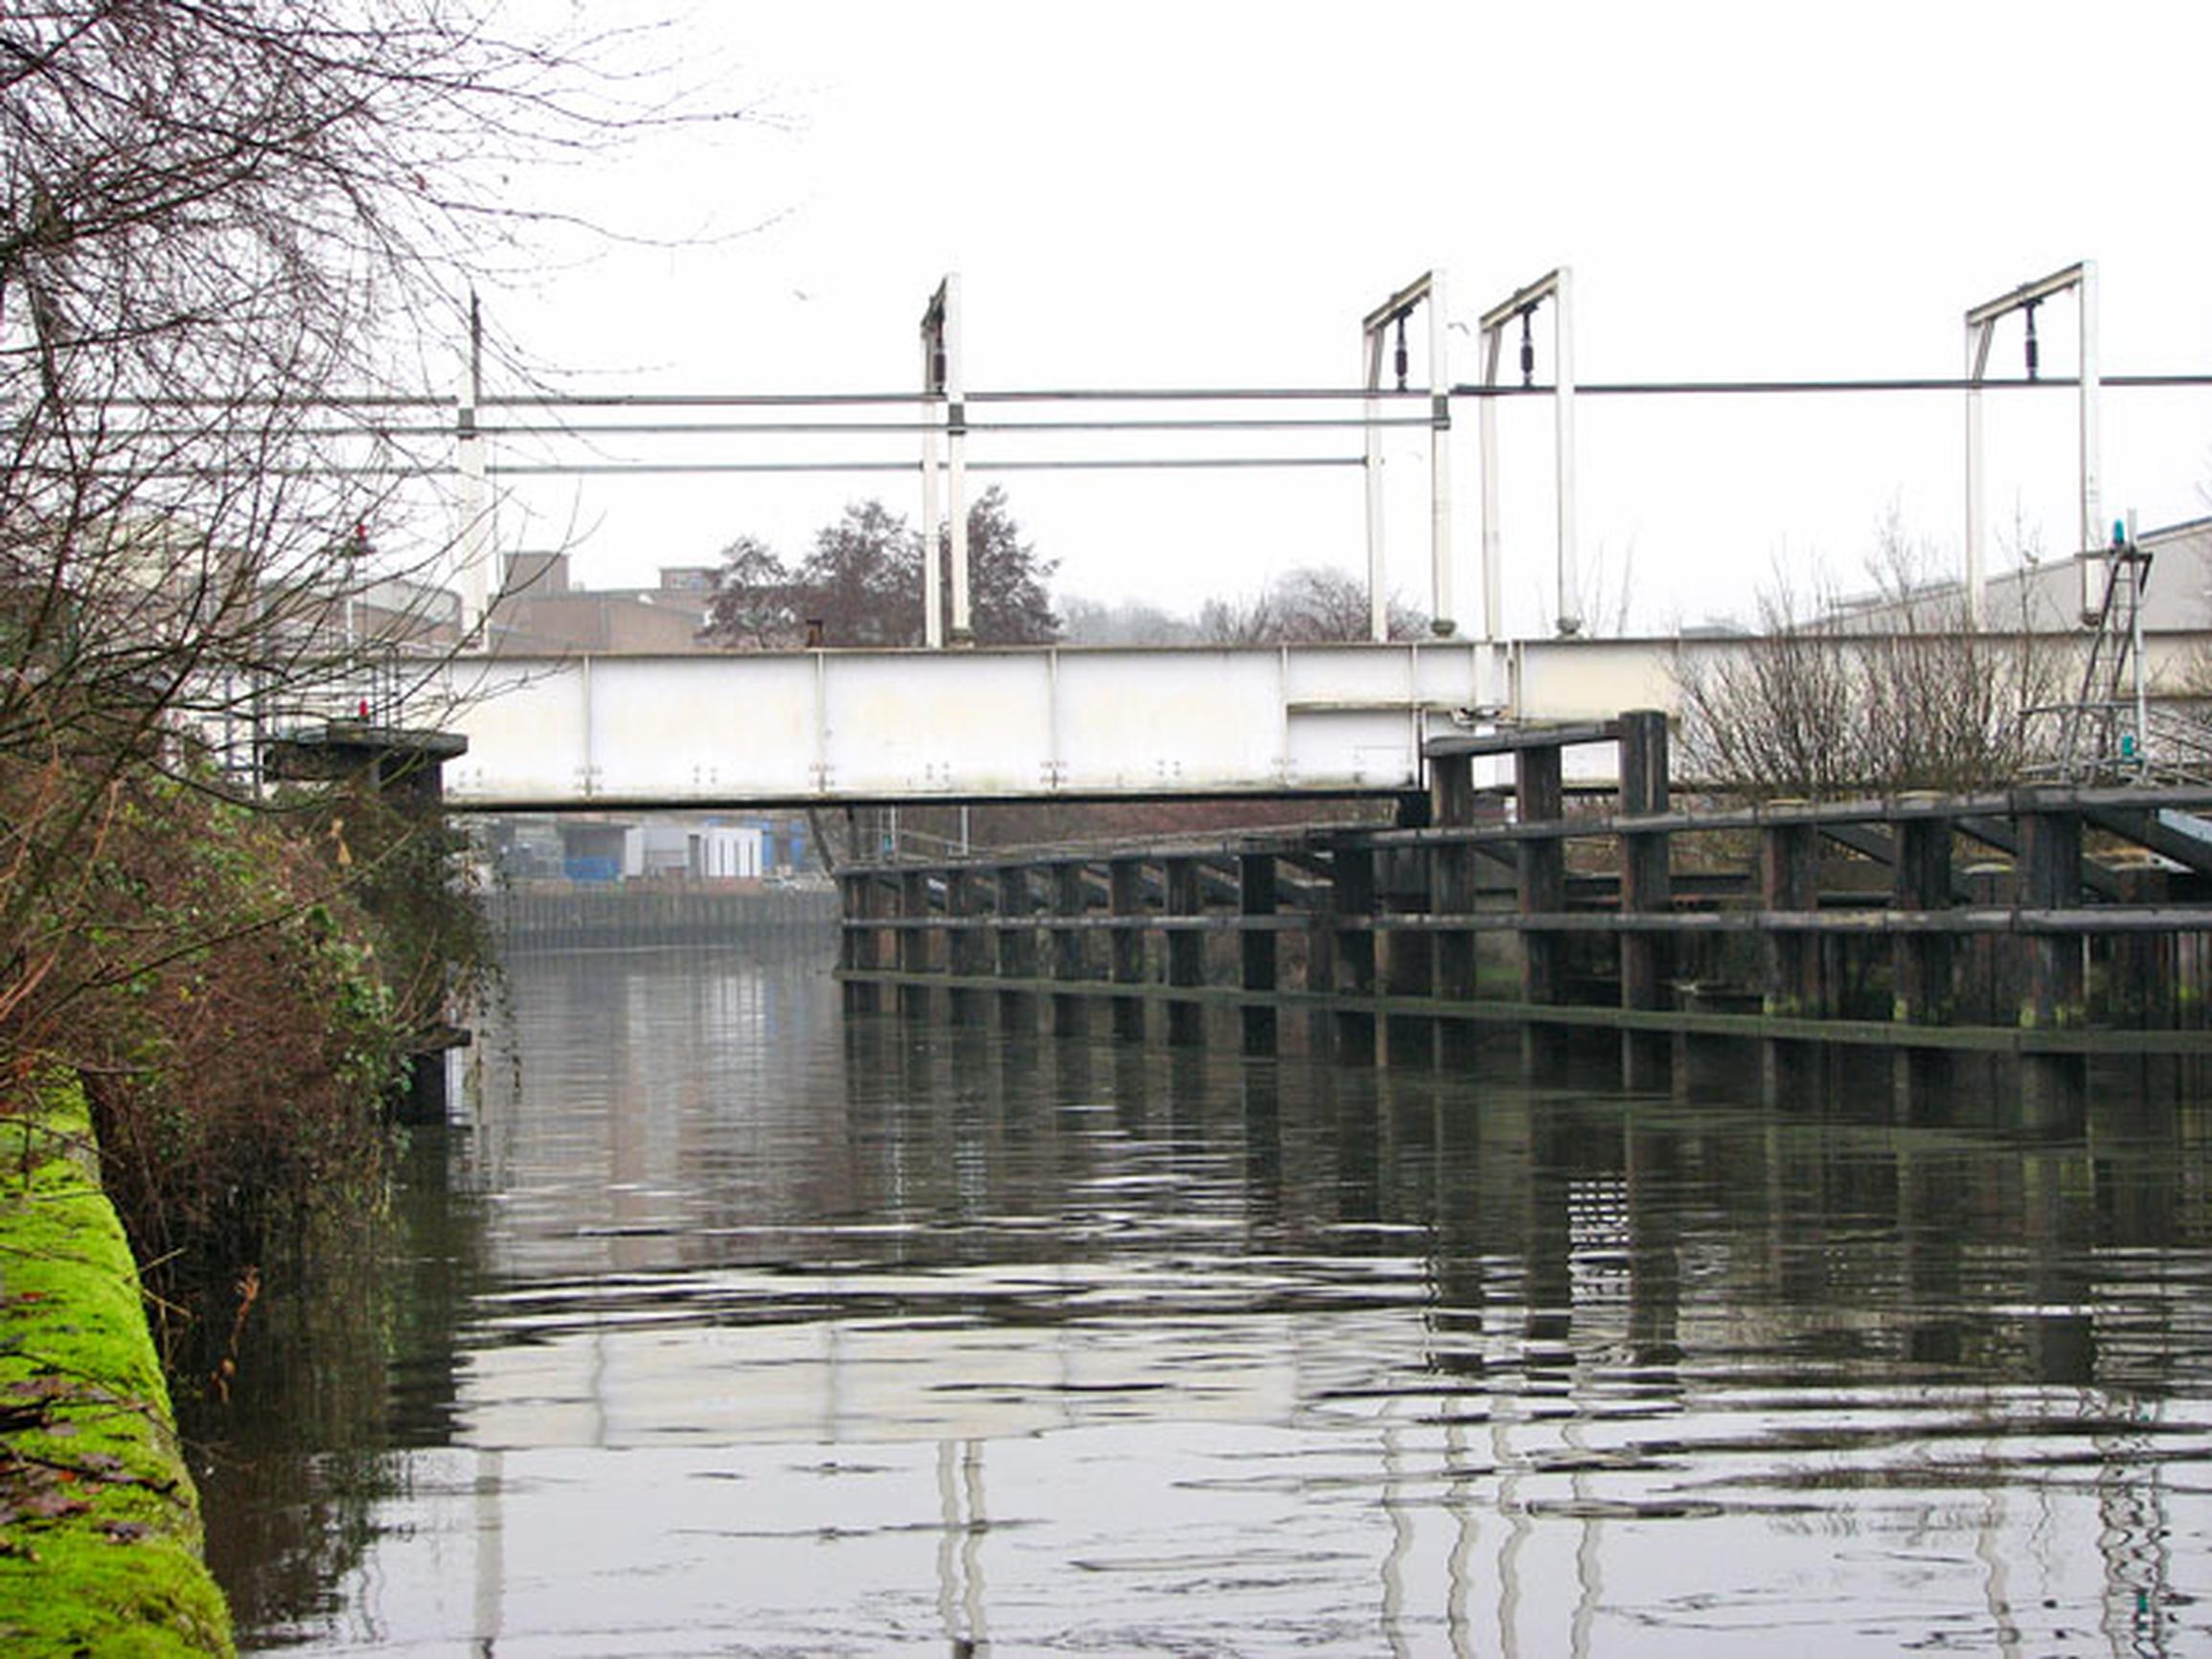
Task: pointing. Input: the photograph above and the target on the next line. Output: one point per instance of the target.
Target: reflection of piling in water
(1958, 946)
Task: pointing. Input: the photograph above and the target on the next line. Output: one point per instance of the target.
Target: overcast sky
(1212, 195)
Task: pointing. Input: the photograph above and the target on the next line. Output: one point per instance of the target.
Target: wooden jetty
(2037, 927)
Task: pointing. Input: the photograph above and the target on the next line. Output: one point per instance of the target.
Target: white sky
(1213, 195)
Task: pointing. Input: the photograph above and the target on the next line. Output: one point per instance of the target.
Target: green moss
(100, 1539)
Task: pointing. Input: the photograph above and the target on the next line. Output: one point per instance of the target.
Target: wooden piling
(2054, 1089)
(859, 942)
(1542, 890)
(968, 952)
(1126, 891)
(1258, 956)
(1452, 889)
(1352, 888)
(1070, 897)
(914, 943)
(1016, 948)
(1791, 959)
(1186, 950)
(1645, 889)
(1921, 966)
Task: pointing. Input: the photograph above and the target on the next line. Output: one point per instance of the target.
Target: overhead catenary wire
(554, 430)
(587, 401)
(680, 469)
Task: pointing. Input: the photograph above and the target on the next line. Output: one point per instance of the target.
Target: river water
(726, 1322)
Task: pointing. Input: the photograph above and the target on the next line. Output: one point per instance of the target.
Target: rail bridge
(843, 727)
(953, 722)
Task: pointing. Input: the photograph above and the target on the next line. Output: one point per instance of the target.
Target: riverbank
(99, 1525)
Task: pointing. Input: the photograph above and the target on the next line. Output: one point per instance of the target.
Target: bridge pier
(405, 769)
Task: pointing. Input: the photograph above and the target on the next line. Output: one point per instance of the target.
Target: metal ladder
(2104, 735)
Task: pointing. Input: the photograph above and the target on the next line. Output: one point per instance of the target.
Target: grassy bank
(99, 1533)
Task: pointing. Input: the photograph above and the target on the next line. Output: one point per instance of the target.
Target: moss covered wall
(99, 1537)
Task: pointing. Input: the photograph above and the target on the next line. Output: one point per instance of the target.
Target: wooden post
(1186, 951)
(1317, 973)
(1256, 948)
(1789, 879)
(1352, 864)
(858, 945)
(1647, 958)
(1070, 1013)
(1126, 881)
(965, 955)
(913, 941)
(1016, 948)
(1409, 954)
(1452, 804)
(1921, 965)
(2054, 1092)
(1541, 798)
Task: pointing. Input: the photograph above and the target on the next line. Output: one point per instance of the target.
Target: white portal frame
(1427, 289)
(1557, 287)
(1980, 326)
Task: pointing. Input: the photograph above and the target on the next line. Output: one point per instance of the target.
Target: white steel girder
(851, 725)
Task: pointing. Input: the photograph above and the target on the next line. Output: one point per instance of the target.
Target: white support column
(472, 544)
(932, 391)
(2095, 540)
(1378, 592)
(1493, 588)
(1443, 614)
(1977, 337)
(956, 471)
(1570, 598)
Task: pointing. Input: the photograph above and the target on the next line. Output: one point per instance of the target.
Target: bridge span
(848, 727)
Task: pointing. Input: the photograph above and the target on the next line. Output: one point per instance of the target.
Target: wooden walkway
(2045, 926)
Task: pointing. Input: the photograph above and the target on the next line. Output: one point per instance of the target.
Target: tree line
(860, 583)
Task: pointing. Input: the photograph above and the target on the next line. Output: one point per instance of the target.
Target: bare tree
(1896, 691)
(1310, 604)
(223, 224)
(1129, 622)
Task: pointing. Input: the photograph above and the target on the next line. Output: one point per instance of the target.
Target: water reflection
(731, 1324)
